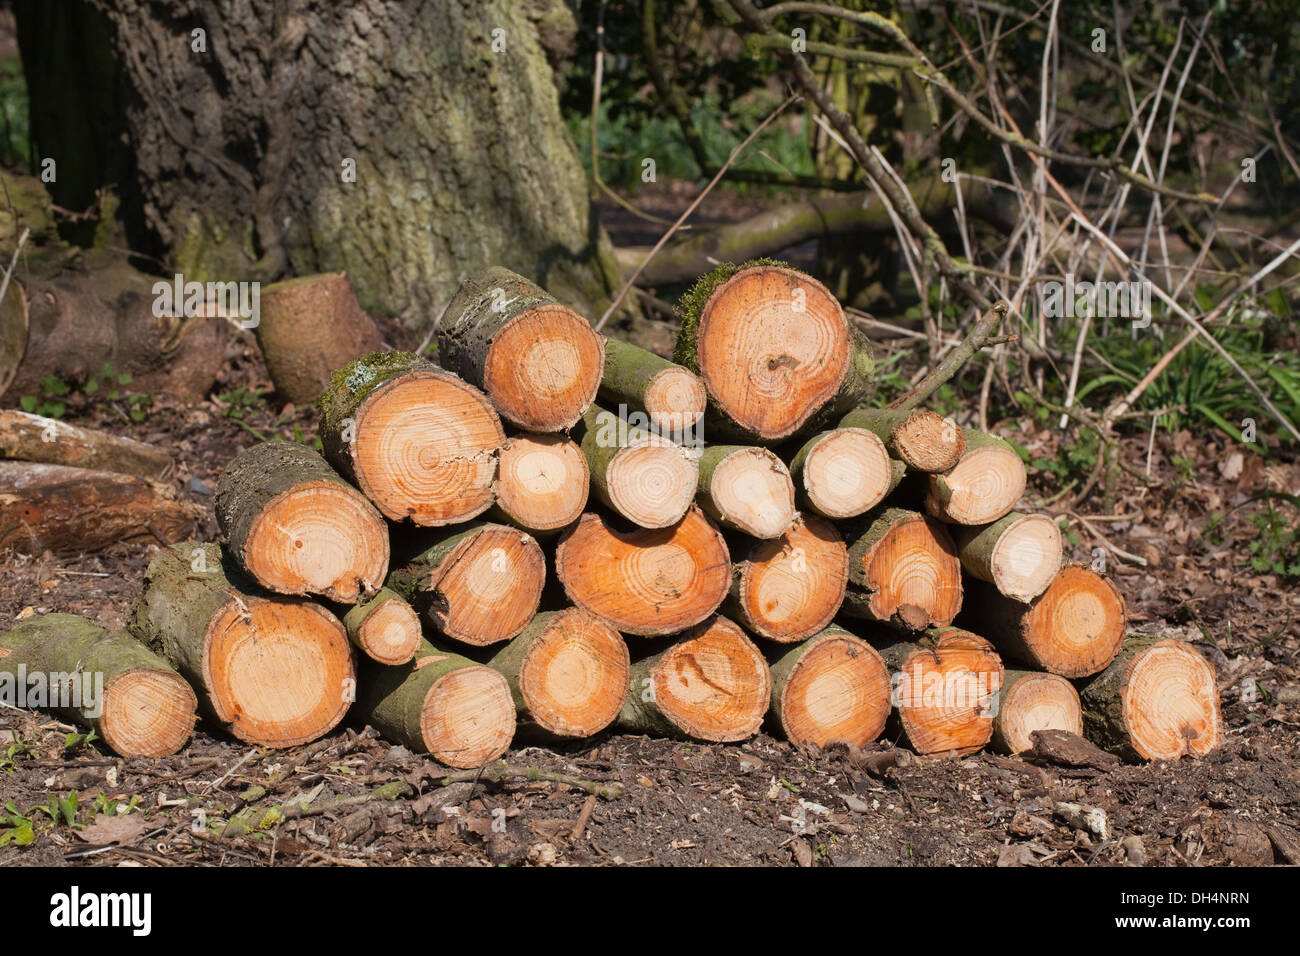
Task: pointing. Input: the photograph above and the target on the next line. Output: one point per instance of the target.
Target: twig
(4, 286)
(955, 358)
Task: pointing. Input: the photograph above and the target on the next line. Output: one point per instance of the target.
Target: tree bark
(671, 397)
(38, 439)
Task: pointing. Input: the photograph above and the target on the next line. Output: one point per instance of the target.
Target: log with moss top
(480, 585)
(844, 472)
(541, 484)
(309, 326)
(568, 672)
(441, 704)
(275, 672)
(833, 686)
(904, 572)
(103, 679)
(1019, 554)
(713, 684)
(298, 528)
(788, 588)
(774, 349)
(946, 683)
(385, 628)
(539, 362)
(919, 438)
(670, 396)
(1030, 701)
(747, 489)
(1158, 700)
(983, 486)
(648, 479)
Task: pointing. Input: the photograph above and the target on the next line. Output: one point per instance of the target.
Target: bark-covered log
(568, 672)
(791, 587)
(746, 489)
(70, 510)
(441, 704)
(541, 484)
(1019, 554)
(946, 685)
(672, 397)
(275, 672)
(832, 686)
(309, 327)
(385, 627)
(35, 438)
(14, 329)
(774, 350)
(419, 442)
(648, 582)
(103, 679)
(648, 479)
(1074, 628)
(984, 485)
(713, 684)
(1029, 701)
(480, 585)
(844, 472)
(1158, 700)
(919, 438)
(297, 527)
(539, 362)
(904, 571)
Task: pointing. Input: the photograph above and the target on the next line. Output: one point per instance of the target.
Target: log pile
(837, 570)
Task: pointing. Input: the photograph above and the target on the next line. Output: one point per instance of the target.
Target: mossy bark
(1102, 697)
(629, 371)
(354, 621)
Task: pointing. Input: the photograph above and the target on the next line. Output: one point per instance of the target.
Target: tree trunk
(35, 438)
(1018, 554)
(670, 396)
(541, 484)
(386, 628)
(791, 587)
(1029, 701)
(904, 571)
(746, 489)
(833, 686)
(648, 479)
(844, 472)
(102, 679)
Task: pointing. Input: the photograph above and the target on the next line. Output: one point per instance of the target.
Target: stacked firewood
(535, 536)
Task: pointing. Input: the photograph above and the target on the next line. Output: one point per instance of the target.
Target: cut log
(648, 479)
(307, 328)
(647, 582)
(746, 489)
(541, 484)
(386, 628)
(70, 510)
(844, 473)
(479, 586)
(832, 686)
(671, 397)
(34, 438)
(712, 685)
(946, 686)
(904, 571)
(297, 527)
(1074, 628)
(984, 486)
(1018, 554)
(568, 672)
(273, 672)
(1158, 700)
(440, 704)
(919, 438)
(774, 349)
(539, 362)
(1030, 701)
(791, 587)
(103, 679)
(420, 443)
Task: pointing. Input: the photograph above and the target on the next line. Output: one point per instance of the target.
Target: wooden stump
(103, 679)
(791, 587)
(440, 704)
(904, 571)
(712, 685)
(985, 484)
(746, 489)
(35, 438)
(539, 362)
(297, 527)
(420, 443)
(647, 582)
(479, 586)
(832, 686)
(274, 673)
(919, 438)
(385, 628)
(541, 484)
(845, 472)
(648, 479)
(1018, 554)
(1158, 700)
(568, 672)
(671, 397)
(1031, 701)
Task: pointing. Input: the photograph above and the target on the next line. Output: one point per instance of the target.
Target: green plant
(239, 402)
(1276, 547)
(16, 827)
(74, 741)
(12, 752)
(48, 401)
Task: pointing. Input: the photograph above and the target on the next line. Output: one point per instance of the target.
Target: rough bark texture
(34, 438)
(245, 151)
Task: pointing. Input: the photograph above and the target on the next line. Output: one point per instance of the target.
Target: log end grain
(946, 693)
(751, 491)
(984, 486)
(574, 677)
(148, 712)
(1030, 701)
(1076, 627)
(468, 717)
(651, 481)
(487, 588)
(928, 443)
(846, 473)
(542, 482)
(791, 587)
(675, 400)
(836, 688)
(905, 572)
(543, 368)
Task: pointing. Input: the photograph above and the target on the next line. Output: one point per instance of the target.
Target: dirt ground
(760, 802)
